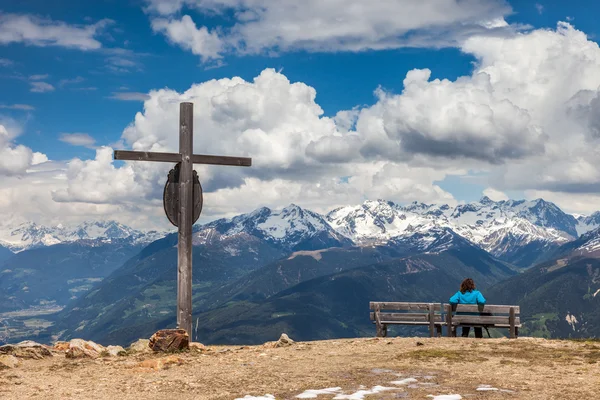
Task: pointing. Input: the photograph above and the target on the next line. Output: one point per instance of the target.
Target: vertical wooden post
(380, 329)
(449, 320)
(511, 321)
(186, 212)
(431, 320)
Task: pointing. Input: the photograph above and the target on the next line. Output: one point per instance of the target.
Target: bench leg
(516, 332)
(381, 330)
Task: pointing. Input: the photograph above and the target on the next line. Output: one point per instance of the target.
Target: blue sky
(342, 80)
(63, 89)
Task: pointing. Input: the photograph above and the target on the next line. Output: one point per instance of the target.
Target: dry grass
(530, 368)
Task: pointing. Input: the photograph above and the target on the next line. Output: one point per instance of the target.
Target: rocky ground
(376, 368)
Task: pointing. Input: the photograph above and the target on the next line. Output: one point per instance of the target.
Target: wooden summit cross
(182, 201)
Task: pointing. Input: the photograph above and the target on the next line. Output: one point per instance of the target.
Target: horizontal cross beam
(176, 157)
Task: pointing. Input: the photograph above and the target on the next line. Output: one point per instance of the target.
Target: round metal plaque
(171, 196)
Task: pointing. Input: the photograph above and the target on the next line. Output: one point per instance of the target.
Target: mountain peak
(486, 200)
(289, 227)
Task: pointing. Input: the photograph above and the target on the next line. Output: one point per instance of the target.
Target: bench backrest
(492, 314)
(406, 313)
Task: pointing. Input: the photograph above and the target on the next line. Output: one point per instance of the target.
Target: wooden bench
(491, 316)
(385, 313)
(436, 315)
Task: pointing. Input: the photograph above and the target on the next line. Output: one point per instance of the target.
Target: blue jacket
(472, 297)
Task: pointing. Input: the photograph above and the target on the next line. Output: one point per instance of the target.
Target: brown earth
(518, 369)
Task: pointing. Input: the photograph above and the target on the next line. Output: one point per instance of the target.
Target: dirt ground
(419, 367)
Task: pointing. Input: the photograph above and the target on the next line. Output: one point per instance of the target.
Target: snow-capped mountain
(31, 235)
(515, 231)
(293, 228)
(588, 223)
(501, 228)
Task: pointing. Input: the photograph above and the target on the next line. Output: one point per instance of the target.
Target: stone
(284, 341)
(8, 361)
(79, 348)
(26, 349)
(141, 346)
(169, 340)
(61, 346)
(197, 346)
(115, 351)
(161, 363)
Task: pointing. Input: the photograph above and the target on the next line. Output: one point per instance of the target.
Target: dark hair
(467, 285)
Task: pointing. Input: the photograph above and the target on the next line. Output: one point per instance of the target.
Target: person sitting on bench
(468, 295)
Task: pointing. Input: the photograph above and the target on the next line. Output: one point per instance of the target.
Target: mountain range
(247, 269)
(29, 235)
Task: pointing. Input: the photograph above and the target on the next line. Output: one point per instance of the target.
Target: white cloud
(23, 107)
(73, 81)
(39, 158)
(5, 62)
(41, 87)
(458, 119)
(531, 103)
(271, 119)
(77, 139)
(37, 31)
(494, 194)
(28, 197)
(184, 33)
(130, 96)
(334, 25)
(14, 158)
(98, 181)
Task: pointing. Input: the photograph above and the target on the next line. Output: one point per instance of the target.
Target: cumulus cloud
(77, 139)
(29, 197)
(98, 181)
(334, 25)
(183, 32)
(37, 31)
(525, 119)
(461, 118)
(14, 158)
(277, 123)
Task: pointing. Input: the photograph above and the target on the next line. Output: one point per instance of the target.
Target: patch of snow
(360, 395)
(316, 254)
(404, 381)
(312, 393)
(483, 388)
(381, 371)
(232, 251)
(446, 397)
